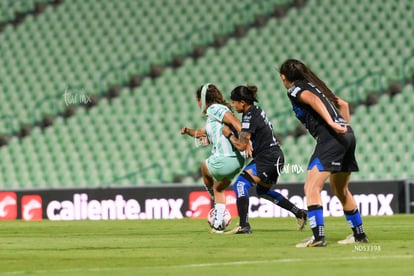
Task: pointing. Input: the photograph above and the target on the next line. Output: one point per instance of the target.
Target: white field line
(218, 264)
(294, 260)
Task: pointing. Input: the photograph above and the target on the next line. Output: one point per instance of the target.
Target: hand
(184, 130)
(203, 141)
(249, 149)
(338, 128)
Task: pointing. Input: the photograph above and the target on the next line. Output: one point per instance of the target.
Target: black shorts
(334, 152)
(268, 166)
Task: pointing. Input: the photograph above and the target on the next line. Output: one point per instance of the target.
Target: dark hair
(247, 93)
(296, 70)
(213, 95)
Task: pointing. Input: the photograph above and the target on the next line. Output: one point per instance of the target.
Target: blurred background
(94, 93)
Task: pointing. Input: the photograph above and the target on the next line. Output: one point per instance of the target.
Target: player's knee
(261, 191)
(342, 194)
(221, 186)
(241, 186)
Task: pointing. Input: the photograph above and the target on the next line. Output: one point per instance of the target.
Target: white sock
(220, 209)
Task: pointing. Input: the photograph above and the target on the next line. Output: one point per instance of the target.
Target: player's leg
(219, 203)
(207, 179)
(209, 184)
(243, 183)
(314, 183)
(266, 174)
(265, 192)
(326, 158)
(339, 185)
(241, 187)
(223, 169)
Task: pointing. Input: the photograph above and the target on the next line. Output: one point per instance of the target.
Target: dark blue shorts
(268, 166)
(334, 152)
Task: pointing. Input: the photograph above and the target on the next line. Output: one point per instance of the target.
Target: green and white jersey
(214, 125)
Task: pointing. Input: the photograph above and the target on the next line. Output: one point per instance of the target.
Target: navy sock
(241, 188)
(278, 199)
(243, 210)
(278, 196)
(316, 221)
(286, 204)
(355, 222)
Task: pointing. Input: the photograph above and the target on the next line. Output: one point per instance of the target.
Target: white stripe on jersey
(214, 126)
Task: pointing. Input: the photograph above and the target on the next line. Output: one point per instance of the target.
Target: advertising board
(181, 201)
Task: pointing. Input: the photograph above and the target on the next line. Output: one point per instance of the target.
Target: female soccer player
(225, 161)
(267, 161)
(327, 119)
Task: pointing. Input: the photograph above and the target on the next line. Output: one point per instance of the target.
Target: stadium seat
(94, 44)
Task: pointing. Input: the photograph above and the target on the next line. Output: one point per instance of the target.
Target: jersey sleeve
(248, 124)
(295, 92)
(217, 112)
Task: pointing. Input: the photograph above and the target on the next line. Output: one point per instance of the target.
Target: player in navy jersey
(327, 119)
(268, 159)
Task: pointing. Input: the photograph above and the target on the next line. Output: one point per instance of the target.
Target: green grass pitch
(185, 247)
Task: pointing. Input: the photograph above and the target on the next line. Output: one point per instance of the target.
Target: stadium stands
(95, 44)
(13, 12)
(384, 136)
(81, 48)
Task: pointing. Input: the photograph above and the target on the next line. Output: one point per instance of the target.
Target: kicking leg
(280, 200)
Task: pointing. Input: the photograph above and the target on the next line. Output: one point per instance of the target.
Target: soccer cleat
(350, 239)
(310, 242)
(216, 230)
(301, 219)
(240, 230)
(218, 225)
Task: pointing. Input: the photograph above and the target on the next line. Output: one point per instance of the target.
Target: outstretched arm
(196, 133)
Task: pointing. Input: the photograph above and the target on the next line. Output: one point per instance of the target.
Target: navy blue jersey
(257, 124)
(305, 113)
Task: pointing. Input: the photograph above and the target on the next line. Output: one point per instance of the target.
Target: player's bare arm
(196, 133)
(241, 143)
(309, 98)
(343, 107)
(230, 119)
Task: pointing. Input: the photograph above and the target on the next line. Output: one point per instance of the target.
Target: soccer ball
(211, 216)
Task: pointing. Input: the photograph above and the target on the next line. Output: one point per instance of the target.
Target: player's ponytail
(296, 70)
(209, 94)
(247, 93)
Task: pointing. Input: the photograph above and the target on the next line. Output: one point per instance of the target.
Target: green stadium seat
(79, 41)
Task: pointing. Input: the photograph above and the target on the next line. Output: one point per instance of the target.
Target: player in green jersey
(225, 161)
